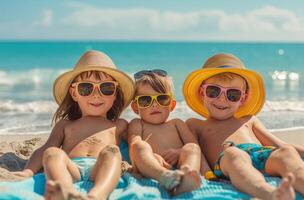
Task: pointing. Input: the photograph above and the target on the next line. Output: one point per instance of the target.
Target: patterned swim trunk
(258, 154)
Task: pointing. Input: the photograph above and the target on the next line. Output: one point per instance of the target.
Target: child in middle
(162, 149)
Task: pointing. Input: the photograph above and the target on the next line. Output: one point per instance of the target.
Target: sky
(157, 20)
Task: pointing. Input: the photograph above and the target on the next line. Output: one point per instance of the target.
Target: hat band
(224, 66)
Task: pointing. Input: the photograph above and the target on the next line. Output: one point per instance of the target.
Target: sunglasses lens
(160, 72)
(107, 88)
(85, 89)
(212, 91)
(141, 73)
(164, 100)
(234, 95)
(144, 101)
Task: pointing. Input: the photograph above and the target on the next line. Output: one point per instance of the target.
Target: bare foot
(170, 179)
(54, 191)
(51, 189)
(191, 180)
(285, 190)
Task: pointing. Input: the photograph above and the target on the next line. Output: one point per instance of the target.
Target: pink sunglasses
(214, 91)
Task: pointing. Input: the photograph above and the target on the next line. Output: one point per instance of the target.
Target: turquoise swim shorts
(258, 154)
(85, 166)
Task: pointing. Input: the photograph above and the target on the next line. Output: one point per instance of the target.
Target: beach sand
(16, 149)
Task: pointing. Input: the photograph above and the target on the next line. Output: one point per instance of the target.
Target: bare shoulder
(135, 121)
(57, 134)
(121, 123)
(177, 121)
(61, 124)
(250, 119)
(135, 125)
(194, 122)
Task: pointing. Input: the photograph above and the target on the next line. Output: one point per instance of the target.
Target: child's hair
(161, 84)
(69, 109)
(228, 76)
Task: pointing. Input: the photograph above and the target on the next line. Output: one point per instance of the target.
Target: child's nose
(96, 92)
(154, 103)
(222, 97)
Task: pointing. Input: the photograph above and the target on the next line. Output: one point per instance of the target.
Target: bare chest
(212, 139)
(90, 139)
(162, 138)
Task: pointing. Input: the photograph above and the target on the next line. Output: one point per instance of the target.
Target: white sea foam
(27, 107)
(33, 77)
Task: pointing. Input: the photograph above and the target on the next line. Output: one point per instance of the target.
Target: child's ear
(72, 92)
(201, 93)
(134, 107)
(172, 105)
(243, 99)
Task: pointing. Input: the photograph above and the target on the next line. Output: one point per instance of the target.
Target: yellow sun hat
(94, 61)
(221, 63)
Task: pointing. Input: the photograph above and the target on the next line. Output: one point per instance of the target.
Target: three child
(234, 141)
(83, 143)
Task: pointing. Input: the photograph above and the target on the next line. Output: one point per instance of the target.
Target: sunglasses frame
(75, 84)
(222, 89)
(141, 73)
(153, 98)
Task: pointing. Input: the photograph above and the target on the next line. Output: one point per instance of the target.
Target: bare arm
(185, 133)
(267, 138)
(34, 163)
(122, 128)
(191, 123)
(134, 135)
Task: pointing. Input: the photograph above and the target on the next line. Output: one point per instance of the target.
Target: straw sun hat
(93, 61)
(225, 63)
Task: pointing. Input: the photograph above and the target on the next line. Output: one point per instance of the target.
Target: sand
(16, 149)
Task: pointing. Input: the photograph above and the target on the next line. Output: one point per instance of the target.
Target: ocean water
(28, 69)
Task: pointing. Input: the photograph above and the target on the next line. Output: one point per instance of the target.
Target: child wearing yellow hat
(83, 144)
(235, 143)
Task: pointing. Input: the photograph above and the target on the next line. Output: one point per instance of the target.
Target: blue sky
(175, 20)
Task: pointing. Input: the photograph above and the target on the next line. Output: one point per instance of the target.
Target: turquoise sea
(28, 69)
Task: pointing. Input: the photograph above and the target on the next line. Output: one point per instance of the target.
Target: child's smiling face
(96, 104)
(155, 114)
(220, 107)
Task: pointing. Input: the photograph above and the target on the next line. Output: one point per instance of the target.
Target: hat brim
(255, 95)
(63, 82)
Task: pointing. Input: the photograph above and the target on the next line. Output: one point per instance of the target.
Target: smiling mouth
(96, 104)
(220, 107)
(155, 113)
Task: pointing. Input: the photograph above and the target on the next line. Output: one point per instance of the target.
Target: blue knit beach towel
(128, 188)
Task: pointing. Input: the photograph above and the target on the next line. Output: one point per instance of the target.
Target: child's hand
(162, 161)
(23, 174)
(171, 156)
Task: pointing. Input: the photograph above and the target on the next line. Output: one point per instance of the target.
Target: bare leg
(287, 160)
(106, 172)
(236, 164)
(145, 161)
(189, 163)
(60, 169)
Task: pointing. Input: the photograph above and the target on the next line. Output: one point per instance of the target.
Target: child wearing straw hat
(234, 141)
(83, 143)
(162, 149)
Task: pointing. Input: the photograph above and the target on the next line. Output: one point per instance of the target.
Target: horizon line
(152, 41)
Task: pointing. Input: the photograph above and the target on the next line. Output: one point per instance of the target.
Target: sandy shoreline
(15, 149)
